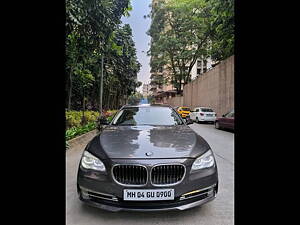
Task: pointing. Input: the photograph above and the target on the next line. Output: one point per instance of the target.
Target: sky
(139, 27)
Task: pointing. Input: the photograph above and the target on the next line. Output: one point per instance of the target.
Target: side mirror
(103, 121)
(223, 115)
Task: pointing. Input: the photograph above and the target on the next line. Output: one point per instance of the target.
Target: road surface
(217, 212)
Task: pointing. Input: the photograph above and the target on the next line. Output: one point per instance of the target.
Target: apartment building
(146, 90)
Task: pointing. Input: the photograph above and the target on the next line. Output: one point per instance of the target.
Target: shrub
(74, 118)
(110, 114)
(73, 122)
(76, 131)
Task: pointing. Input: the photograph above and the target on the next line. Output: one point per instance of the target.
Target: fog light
(210, 192)
(84, 195)
(189, 194)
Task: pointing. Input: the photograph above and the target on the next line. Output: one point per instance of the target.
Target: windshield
(185, 109)
(147, 116)
(206, 110)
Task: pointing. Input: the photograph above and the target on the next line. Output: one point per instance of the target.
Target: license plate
(148, 194)
(208, 114)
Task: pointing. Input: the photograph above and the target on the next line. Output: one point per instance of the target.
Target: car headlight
(89, 161)
(204, 161)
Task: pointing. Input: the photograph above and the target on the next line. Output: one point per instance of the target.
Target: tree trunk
(70, 90)
(83, 120)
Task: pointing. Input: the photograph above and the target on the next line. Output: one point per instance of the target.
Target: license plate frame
(148, 194)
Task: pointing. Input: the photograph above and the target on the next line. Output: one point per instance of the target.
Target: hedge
(74, 118)
(76, 131)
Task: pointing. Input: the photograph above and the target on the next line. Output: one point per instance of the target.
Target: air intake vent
(167, 174)
(130, 174)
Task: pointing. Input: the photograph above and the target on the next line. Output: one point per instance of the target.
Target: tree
(222, 36)
(121, 68)
(85, 79)
(180, 32)
(135, 98)
(93, 30)
(183, 31)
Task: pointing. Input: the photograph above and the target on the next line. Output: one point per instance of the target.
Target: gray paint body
(133, 142)
(129, 145)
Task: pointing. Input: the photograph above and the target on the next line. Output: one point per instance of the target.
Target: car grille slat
(167, 174)
(130, 174)
(137, 175)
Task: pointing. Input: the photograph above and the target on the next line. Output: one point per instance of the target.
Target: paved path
(218, 212)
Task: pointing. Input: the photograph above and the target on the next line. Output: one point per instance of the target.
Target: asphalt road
(217, 212)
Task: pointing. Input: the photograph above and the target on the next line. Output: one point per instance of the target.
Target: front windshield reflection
(155, 116)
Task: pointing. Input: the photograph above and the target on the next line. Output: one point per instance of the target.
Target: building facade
(146, 90)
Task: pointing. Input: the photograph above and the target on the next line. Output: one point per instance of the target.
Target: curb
(81, 138)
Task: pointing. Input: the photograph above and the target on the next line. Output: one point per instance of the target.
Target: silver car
(147, 159)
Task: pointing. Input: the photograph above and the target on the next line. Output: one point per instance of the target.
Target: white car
(203, 114)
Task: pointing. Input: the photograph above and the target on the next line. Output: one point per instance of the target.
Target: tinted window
(197, 110)
(186, 109)
(147, 116)
(206, 110)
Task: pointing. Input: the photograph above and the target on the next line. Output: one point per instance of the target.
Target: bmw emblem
(149, 153)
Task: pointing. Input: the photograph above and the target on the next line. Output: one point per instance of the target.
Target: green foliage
(74, 118)
(73, 122)
(223, 29)
(76, 131)
(94, 31)
(110, 114)
(183, 31)
(135, 98)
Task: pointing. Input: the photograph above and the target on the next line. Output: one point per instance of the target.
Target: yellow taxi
(184, 111)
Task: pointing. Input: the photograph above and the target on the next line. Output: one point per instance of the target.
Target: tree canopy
(183, 31)
(93, 30)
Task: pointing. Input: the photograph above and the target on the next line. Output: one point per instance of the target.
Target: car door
(192, 114)
(231, 121)
(196, 113)
(227, 120)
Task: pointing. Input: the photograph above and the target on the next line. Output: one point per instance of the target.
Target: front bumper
(116, 206)
(100, 190)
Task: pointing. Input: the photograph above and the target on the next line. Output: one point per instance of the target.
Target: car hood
(133, 142)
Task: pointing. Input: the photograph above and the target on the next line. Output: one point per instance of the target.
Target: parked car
(184, 111)
(226, 121)
(147, 159)
(203, 114)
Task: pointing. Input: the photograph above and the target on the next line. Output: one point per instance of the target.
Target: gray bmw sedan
(147, 159)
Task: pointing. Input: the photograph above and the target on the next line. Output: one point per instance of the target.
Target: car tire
(197, 121)
(217, 125)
